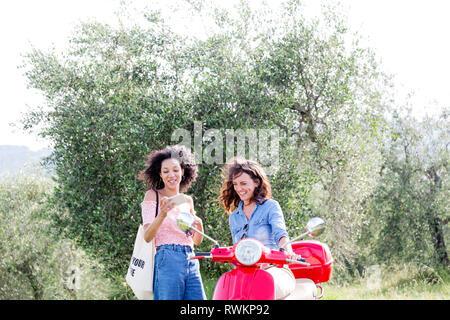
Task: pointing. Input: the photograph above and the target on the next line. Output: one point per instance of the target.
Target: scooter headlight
(248, 251)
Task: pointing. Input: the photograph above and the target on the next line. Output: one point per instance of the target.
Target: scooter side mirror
(185, 221)
(315, 227)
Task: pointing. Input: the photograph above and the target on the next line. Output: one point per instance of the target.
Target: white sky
(409, 36)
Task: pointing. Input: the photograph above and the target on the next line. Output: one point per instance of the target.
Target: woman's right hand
(165, 206)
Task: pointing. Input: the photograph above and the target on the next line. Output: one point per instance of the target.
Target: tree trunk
(435, 223)
(437, 235)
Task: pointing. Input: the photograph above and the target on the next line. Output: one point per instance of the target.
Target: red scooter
(250, 280)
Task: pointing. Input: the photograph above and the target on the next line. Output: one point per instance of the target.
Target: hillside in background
(16, 158)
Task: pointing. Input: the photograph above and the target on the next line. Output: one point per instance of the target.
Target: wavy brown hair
(151, 174)
(229, 198)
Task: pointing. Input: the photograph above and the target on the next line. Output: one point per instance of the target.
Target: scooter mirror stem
(295, 239)
(314, 228)
(216, 244)
(185, 222)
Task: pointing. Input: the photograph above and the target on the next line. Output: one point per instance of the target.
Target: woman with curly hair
(246, 196)
(168, 173)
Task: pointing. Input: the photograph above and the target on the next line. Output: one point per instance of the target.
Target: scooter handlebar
(197, 254)
(300, 261)
(226, 254)
(201, 255)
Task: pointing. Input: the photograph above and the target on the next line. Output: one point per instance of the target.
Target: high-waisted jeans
(175, 277)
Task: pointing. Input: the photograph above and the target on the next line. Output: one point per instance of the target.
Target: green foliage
(412, 199)
(35, 262)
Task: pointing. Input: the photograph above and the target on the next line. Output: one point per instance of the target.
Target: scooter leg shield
(245, 284)
(284, 281)
(305, 289)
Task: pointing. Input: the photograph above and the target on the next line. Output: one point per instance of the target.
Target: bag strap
(157, 203)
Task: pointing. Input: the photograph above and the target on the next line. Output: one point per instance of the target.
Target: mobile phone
(179, 199)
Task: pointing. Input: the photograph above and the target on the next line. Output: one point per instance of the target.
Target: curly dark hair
(151, 174)
(228, 197)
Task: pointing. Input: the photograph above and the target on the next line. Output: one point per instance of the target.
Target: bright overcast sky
(409, 36)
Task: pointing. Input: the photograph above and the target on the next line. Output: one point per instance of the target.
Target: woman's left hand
(198, 224)
(284, 243)
(292, 255)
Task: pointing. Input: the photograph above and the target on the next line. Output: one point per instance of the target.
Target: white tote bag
(140, 273)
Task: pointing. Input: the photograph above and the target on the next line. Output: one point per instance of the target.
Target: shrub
(35, 262)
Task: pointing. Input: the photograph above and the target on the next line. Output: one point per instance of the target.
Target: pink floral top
(168, 232)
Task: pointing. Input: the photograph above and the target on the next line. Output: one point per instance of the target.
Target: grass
(209, 285)
(403, 282)
(409, 292)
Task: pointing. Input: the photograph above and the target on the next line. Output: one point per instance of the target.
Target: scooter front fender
(245, 283)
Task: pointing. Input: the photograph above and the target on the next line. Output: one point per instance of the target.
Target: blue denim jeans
(175, 277)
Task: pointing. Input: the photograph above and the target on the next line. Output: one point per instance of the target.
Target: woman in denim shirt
(246, 196)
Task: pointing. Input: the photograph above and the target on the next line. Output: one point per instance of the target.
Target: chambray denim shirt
(266, 224)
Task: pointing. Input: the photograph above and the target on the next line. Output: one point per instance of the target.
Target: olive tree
(410, 204)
